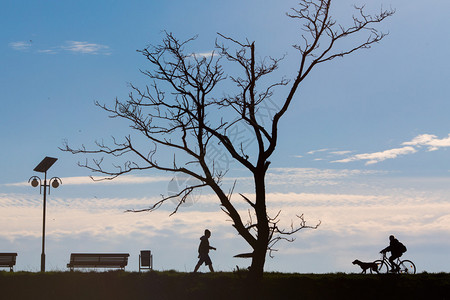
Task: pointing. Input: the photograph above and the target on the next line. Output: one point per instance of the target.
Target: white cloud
(205, 54)
(129, 179)
(353, 226)
(340, 152)
(340, 213)
(82, 180)
(70, 46)
(86, 48)
(316, 151)
(295, 177)
(429, 140)
(356, 222)
(20, 45)
(48, 51)
(376, 157)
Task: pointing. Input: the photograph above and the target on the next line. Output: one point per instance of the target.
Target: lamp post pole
(43, 166)
(43, 225)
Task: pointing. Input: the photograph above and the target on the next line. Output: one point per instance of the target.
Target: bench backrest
(99, 259)
(8, 259)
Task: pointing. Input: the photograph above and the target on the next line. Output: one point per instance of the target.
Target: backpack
(401, 247)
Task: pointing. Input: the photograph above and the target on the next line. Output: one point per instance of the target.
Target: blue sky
(364, 148)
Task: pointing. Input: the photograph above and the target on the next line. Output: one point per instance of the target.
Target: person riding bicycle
(397, 249)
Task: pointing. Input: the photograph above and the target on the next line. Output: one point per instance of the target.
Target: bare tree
(177, 113)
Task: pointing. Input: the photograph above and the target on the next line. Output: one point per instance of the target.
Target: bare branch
(277, 234)
(183, 195)
(247, 200)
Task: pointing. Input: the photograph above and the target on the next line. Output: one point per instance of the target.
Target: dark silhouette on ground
(145, 260)
(405, 266)
(366, 265)
(397, 249)
(8, 260)
(98, 260)
(203, 252)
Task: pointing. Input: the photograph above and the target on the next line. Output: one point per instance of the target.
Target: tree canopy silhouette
(183, 117)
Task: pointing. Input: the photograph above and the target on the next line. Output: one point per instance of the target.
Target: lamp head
(34, 182)
(55, 183)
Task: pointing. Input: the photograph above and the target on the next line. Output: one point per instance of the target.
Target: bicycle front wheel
(407, 267)
(382, 267)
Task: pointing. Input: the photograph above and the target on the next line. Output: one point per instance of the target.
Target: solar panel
(45, 164)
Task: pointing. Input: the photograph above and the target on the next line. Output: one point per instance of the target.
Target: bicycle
(405, 266)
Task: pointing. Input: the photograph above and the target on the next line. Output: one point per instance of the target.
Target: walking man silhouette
(203, 252)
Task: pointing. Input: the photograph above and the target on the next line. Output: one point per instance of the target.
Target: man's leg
(208, 262)
(392, 259)
(198, 265)
(393, 265)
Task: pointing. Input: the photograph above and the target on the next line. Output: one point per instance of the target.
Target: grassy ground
(174, 285)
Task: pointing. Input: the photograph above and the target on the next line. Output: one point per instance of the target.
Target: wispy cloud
(317, 151)
(20, 45)
(83, 180)
(324, 154)
(48, 51)
(424, 140)
(86, 48)
(312, 176)
(400, 207)
(376, 157)
(340, 152)
(75, 47)
(205, 54)
(130, 179)
(350, 223)
(430, 140)
(356, 221)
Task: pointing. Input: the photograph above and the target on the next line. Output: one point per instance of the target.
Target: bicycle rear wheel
(407, 267)
(382, 267)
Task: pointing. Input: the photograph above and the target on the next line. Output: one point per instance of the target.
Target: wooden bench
(8, 260)
(98, 260)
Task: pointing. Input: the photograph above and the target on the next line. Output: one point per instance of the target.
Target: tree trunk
(260, 249)
(258, 260)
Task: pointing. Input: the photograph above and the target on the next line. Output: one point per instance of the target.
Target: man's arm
(387, 249)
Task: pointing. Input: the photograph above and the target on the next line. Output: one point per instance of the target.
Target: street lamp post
(43, 167)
